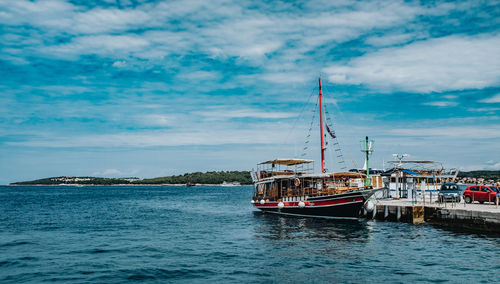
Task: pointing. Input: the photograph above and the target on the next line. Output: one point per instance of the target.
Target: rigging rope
(297, 119)
(336, 144)
(306, 143)
(339, 140)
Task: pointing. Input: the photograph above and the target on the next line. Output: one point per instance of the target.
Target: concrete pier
(482, 217)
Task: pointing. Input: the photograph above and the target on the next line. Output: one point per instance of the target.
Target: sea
(211, 234)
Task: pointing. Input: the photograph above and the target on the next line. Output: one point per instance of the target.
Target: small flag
(330, 132)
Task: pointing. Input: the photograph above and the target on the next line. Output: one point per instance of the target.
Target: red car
(481, 193)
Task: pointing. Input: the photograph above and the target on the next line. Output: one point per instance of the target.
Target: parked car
(449, 192)
(481, 193)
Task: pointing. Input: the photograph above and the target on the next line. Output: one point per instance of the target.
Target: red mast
(321, 128)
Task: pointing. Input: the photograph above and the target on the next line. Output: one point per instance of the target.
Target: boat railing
(274, 185)
(309, 191)
(313, 191)
(282, 173)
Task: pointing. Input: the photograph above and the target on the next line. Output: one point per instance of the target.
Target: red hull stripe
(319, 203)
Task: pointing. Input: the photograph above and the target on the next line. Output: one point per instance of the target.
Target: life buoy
(297, 182)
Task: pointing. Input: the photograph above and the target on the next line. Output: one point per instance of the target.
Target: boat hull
(345, 206)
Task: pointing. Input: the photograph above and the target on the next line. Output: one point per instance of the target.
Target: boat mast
(321, 128)
(368, 178)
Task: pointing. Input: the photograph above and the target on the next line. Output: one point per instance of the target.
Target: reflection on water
(466, 232)
(274, 227)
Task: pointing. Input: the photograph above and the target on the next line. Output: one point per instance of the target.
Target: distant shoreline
(135, 184)
(223, 178)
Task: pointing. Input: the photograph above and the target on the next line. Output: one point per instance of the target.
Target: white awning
(287, 162)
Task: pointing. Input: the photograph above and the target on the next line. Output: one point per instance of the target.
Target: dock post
(398, 213)
(374, 212)
(386, 212)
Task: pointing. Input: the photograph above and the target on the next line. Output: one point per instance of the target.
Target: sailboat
(290, 186)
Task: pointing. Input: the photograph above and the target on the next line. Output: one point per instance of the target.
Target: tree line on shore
(243, 177)
(479, 177)
(212, 177)
(487, 175)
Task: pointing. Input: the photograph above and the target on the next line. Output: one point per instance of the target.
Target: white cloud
(105, 45)
(485, 132)
(106, 172)
(114, 172)
(283, 77)
(243, 113)
(494, 99)
(394, 39)
(227, 29)
(200, 75)
(485, 109)
(157, 120)
(435, 65)
(57, 16)
(263, 135)
(108, 20)
(120, 63)
(40, 13)
(479, 167)
(441, 103)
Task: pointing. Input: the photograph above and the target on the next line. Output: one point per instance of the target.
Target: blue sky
(152, 88)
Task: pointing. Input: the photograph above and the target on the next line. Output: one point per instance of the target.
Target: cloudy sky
(151, 88)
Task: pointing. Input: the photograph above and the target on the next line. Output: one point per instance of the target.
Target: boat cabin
(294, 180)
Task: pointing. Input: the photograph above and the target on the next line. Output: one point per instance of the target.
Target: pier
(481, 217)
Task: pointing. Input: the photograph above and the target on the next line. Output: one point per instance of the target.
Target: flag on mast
(330, 132)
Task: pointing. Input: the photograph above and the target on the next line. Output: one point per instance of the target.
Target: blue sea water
(158, 234)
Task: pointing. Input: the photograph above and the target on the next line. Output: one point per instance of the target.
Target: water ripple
(212, 234)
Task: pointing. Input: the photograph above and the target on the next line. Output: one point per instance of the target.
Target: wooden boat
(289, 186)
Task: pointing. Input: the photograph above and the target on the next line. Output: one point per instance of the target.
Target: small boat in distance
(290, 186)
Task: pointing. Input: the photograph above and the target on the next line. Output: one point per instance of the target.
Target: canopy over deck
(348, 175)
(287, 162)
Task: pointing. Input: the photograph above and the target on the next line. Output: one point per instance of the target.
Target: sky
(121, 88)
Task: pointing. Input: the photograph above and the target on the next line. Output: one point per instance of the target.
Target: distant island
(219, 177)
(214, 177)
